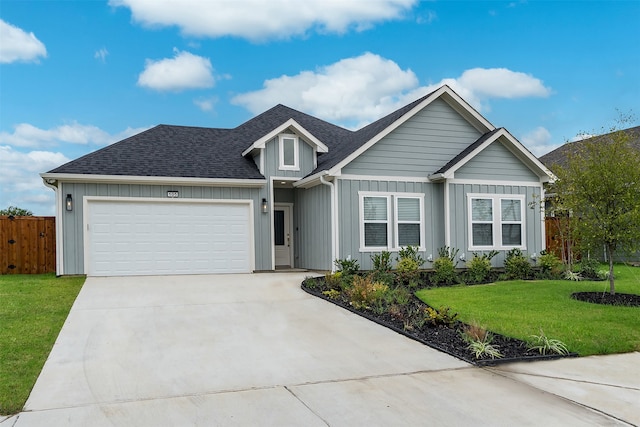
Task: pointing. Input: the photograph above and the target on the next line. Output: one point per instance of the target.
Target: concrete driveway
(256, 350)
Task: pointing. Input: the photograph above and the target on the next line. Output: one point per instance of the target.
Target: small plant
(479, 267)
(447, 252)
(365, 292)
(516, 265)
(382, 261)
(333, 280)
(400, 295)
(444, 271)
(603, 274)
(550, 265)
(347, 266)
(588, 267)
(332, 293)
(573, 276)
(411, 252)
(441, 317)
(545, 345)
(480, 342)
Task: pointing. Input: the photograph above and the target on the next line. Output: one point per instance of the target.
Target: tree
(600, 186)
(15, 211)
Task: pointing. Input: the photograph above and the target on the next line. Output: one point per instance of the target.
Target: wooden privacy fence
(27, 244)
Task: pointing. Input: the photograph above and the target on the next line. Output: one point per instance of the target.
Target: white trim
(58, 227)
(261, 166)
(481, 124)
(296, 152)
(334, 220)
(496, 221)
(260, 143)
(494, 182)
(385, 178)
(157, 180)
(447, 215)
(392, 219)
(288, 206)
(85, 219)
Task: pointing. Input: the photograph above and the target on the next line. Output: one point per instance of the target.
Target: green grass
(33, 309)
(520, 309)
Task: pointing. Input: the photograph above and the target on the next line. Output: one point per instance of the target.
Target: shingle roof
(464, 153)
(560, 155)
(197, 152)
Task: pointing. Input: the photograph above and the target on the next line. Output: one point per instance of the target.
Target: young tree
(600, 186)
(15, 211)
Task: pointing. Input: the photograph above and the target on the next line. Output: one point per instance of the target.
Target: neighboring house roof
(210, 153)
(560, 156)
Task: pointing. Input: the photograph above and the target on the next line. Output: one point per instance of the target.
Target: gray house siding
(312, 228)
(420, 146)
(349, 215)
(502, 163)
(459, 225)
(272, 160)
(72, 222)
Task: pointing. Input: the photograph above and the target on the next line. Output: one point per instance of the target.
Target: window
(385, 228)
(496, 221)
(288, 152)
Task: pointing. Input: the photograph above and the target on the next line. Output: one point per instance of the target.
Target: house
(286, 189)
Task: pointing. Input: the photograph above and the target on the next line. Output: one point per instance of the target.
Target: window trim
(496, 222)
(392, 219)
(296, 152)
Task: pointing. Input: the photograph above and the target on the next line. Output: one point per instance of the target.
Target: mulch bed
(443, 338)
(606, 298)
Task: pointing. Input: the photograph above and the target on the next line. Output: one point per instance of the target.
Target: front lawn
(520, 309)
(33, 309)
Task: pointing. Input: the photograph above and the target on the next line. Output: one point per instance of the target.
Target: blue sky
(76, 76)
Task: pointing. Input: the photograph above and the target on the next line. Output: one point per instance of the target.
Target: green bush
(347, 266)
(444, 272)
(411, 252)
(441, 317)
(381, 261)
(447, 252)
(550, 265)
(589, 267)
(516, 265)
(479, 267)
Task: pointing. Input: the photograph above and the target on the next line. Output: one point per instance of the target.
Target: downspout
(334, 218)
(54, 187)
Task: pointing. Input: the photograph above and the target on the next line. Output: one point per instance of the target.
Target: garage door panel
(138, 237)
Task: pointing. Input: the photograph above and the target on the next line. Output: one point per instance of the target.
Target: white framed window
(496, 221)
(389, 221)
(288, 152)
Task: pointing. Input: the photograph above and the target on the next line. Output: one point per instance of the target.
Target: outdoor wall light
(265, 206)
(463, 257)
(534, 256)
(69, 204)
(430, 258)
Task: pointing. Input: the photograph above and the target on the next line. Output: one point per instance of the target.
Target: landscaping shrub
(381, 261)
(364, 293)
(516, 265)
(441, 317)
(347, 266)
(444, 272)
(409, 262)
(480, 342)
(411, 252)
(589, 268)
(479, 267)
(550, 265)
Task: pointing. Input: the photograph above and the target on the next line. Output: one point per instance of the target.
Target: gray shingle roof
(197, 152)
(560, 155)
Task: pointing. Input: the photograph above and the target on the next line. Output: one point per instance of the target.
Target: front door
(282, 237)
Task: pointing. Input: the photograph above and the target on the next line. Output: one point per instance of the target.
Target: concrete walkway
(256, 350)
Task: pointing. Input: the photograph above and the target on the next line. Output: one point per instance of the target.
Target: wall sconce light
(534, 256)
(463, 257)
(69, 203)
(265, 206)
(430, 258)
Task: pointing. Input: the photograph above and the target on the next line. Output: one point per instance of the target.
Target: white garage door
(126, 238)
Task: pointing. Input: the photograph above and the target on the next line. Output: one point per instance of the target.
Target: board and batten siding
(312, 228)
(272, 160)
(499, 162)
(72, 222)
(349, 215)
(420, 146)
(459, 225)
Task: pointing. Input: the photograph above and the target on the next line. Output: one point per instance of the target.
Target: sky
(76, 76)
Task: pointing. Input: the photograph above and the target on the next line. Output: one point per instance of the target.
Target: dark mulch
(606, 298)
(443, 338)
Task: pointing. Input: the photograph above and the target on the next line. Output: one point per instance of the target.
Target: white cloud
(20, 182)
(28, 135)
(101, 55)
(184, 71)
(18, 45)
(356, 91)
(259, 20)
(206, 104)
(538, 141)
